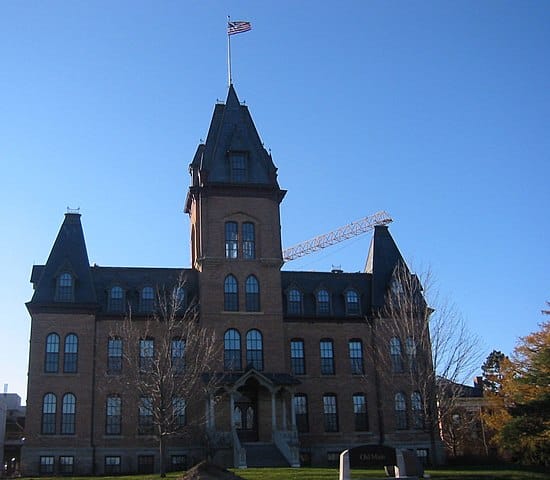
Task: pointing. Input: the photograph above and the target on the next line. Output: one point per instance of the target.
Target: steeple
(66, 278)
(233, 153)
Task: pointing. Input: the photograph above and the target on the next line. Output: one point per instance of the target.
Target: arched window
(232, 350)
(49, 409)
(252, 289)
(297, 357)
(356, 356)
(70, 356)
(180, 301)
(231, 294)
(352, 303)
(400, 411)
(254, 350)
(68, 414)
(231, 240)
(395, 354)
(410, 348)
(65, 288)
(114, 355)
(51, 364)
(147, 300)
(417, 411)
(300, 412)
(249, 241)
(323, 302)
(294, 302)
(360, 412)
(116, 299)
(327, 356)
(113, 417)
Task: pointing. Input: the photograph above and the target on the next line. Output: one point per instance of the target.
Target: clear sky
(436, 111)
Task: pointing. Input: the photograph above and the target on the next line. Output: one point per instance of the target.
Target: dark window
(297, 357)
(47, 465)
(327, 357)
(238, 167)
(231, 294)
(146, 463)
(231, 240)
(66, 465)
(146, 354)
(145, 418)
(113, 418)
(395, 353)
(116, 299)
(51, 365)
(330, 412)
(49, 408)
(70, 357)
(179, 298)
(114, 355)
(410, 349)
(300, 411)
(178, 463)
(68, 414)
(178, 355)
(400, 411)
(65, 288)
(249, 241)
(232, 350)
(352, 303)
(147, 301)
(112, 465)
(294, 302)
(417, 411)
(333, 459)
(356, 356)
(179, 406)
(252, 290)
(254, 350)
(360, 412)
(323, 302)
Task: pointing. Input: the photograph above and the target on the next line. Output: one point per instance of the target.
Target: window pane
(360, 412)
(46, 465)
(231, 295)
(116, 299)
(114, 355)
(147, 299)
(231, 240)
(113, 421)
(323, 302)
(238, 167)
(68, 414)
(330, 413)
(52, 353)
(178, 355)
(66, 465)
(356, 356)
(49, 408)
(327, 357)
(297, 357)
(146, 354)
(65, 288)
(352, 302)
(395, 352)
(300, 411)
(232, 350)
(254, 350)
(252, 294)
(400, 411)
(294, 302)
(145, 419)
(112, 465)
(70, 358)
(249, 241)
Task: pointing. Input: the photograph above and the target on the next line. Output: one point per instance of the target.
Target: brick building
(300, 382)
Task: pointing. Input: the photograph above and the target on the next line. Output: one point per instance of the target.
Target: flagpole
(229, 79)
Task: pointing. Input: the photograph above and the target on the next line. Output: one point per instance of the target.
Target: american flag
(238, 27)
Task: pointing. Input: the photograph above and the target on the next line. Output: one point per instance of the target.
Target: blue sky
(436, 111)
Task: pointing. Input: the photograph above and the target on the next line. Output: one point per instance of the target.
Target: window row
(232, 357)
(231, 294)
(330, 412)
(67, 418)
(396, 354)
(409, 415)
(240, 246)
(327, 356)
(118, 299)
(323, 302)
(70, 353)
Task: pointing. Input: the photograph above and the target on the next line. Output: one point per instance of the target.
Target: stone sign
(371, 456)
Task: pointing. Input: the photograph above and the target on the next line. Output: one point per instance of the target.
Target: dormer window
(352, 302)
(65, 288)
(237, 164)
(147, 300)
(323, 302)
(116, 299)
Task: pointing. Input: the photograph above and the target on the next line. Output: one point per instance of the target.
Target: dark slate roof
(336, 283)
(453, 389)
(232, 129)
(68, 255)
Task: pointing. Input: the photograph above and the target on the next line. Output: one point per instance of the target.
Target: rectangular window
(179, 406)
(145, 418)
(300, 410)
(47, 465)
(178, 463)
(66, 465)
(238, 167)
(146, 354)
(333, 459)
(360, 412)
(112, 465)
(356, 356)
(146, 463)
(297, 357)
(113, 420)
(330, 412)
(327, 357)
(114, 355)
(249, 241)
(178, 355)
(231, 240)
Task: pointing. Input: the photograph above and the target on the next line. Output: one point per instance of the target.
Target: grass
(504, 472)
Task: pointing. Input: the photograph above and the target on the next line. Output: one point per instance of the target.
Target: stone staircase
(260, 454)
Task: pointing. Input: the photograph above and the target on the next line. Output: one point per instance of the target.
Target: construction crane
(350, 230)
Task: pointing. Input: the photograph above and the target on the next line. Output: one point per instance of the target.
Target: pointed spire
(68, 256)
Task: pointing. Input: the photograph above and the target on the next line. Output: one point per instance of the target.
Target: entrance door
(245, 420)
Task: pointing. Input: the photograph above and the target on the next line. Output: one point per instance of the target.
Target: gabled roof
(68, 255)
(232, 130)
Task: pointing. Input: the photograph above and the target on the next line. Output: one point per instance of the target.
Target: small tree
(169, 360)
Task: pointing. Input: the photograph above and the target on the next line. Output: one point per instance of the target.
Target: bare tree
(427, 347)
(169, 360)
